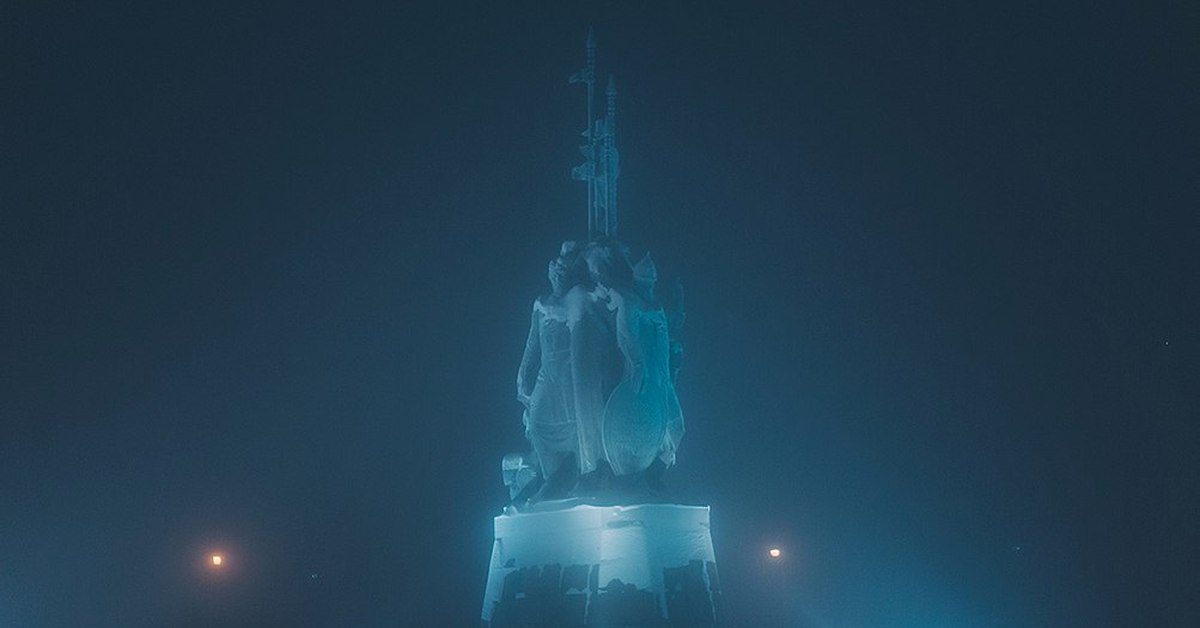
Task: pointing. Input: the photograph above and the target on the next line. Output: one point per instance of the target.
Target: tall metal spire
(611, 165)
(601, 167)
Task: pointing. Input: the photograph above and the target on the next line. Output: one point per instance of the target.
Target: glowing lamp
(775, 552)
(217, 559)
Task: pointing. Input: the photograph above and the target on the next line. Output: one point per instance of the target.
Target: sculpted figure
(643, 422)
(594, 356)
(597, 377)
(545, 384)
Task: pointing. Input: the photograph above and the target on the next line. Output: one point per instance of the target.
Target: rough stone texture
(557, 596)
(690, 593)
(646, 566)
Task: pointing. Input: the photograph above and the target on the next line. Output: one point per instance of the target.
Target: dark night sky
(265, 274)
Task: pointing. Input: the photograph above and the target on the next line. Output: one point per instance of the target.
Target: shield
(635, 423)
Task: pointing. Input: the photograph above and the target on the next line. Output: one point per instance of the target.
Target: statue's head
(597, 260)
(645, 275)
(557, 273)
(563, 270)
(608, 263)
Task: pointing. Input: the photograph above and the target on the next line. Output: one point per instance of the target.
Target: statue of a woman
(594, 355)
(642, 419)
(546, 387)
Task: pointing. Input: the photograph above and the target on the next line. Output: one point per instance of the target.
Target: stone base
(628, 566)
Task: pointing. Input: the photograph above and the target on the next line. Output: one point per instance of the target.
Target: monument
(591, 536)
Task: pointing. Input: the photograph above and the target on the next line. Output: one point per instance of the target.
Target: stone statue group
(597, 378)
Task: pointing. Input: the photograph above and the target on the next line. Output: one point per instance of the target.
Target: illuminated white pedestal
(630, 566)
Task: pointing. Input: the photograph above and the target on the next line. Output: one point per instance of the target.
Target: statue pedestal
(629, 566)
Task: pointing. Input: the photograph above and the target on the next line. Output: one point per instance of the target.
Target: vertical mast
(590, 132)
(611, 161)
(599, 169)
(587, 170)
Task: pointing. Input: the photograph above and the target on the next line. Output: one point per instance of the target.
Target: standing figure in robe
(643, 422)
(545, 383)
(594, 355)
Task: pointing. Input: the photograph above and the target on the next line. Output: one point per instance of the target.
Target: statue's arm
(531, 361)
(676, 316)
(625, 320)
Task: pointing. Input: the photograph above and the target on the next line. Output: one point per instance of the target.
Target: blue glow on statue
(597, 378)
(589, 537)
(642, 419)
